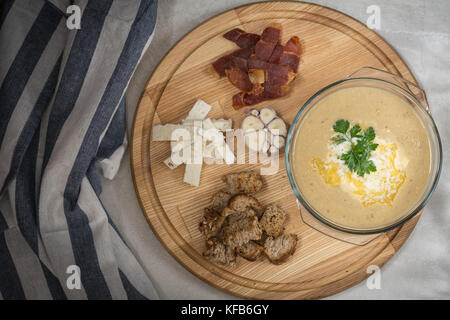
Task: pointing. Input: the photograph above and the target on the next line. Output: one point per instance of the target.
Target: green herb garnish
(357, 159)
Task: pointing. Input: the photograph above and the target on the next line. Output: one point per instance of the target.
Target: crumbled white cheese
(223, 124)
(196, 139)
(380, 186)
(198, 111)
(192, 174)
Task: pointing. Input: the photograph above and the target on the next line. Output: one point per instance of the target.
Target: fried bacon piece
(290, 60)
(251, 83)
(291, 54)
(276, 54)
(294, 46)
(240, 63)
(268, 83)
(239, 79)
(243, 99)
(278, 75)
(273, 91)
(257, 77)
(275, 85)
(255, 63)
(233, 35)
(225, 62)
(263, 68)
(242, 38)
(269, 39)
(258, 88)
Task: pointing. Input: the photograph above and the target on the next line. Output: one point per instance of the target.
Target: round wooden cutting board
(334, 46)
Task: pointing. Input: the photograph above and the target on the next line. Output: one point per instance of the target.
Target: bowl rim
(354, 230)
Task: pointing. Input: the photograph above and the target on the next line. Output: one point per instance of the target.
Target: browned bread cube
(243, 202)
(272, 220)
(211, 223)
(241, 232)
(220, 200)
(243, 182)
(236, 223)
(250, 251)
(235, 217)
(278, 250)
(219, 253)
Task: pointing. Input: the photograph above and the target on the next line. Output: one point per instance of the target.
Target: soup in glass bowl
(363, 155)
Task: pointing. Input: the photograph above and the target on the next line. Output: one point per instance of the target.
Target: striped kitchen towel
(62, 123)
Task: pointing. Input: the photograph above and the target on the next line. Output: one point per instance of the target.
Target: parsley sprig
(357, 158)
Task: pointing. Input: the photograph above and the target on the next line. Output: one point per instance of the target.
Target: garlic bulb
(264, 131)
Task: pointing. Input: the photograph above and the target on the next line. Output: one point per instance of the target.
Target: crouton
(278, 250)
(220, 200)
(250, 251)
(272, 221)
(219, 253)
(243, 182)
(243, 202)
(241, 232)
(211, 223)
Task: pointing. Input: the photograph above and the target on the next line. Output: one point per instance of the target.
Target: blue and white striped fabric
(62, 123)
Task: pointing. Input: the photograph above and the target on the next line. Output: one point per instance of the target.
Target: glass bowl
(371, 77)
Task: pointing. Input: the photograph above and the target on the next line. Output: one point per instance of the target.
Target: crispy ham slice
(256, 75)
(242, 38)
(225, 62)
(263, 68)
(290, 60)
(291, 54)
(293, 46)
(255, 63)
(243, 99)
(278, 75)
(269, 39)
(272, 91)
(234, 34)
(239, 79)
(276, 54)
(240, 63)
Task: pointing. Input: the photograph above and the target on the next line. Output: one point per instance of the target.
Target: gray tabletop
(420, 32)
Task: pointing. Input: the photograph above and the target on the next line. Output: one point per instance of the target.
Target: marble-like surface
(420, 32)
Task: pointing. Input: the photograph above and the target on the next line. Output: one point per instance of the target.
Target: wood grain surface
(334, 45)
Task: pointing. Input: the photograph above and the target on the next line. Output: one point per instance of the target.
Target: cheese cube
(192, 174)
(222, 124)
(199, 111)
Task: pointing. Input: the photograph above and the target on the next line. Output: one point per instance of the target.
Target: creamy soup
(402, 158)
